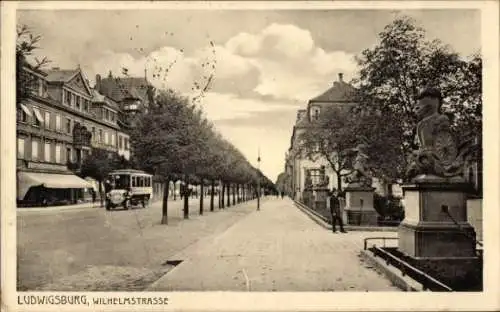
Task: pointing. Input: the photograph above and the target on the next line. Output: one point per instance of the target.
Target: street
(275, 249)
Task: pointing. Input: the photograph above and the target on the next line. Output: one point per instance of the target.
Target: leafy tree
(160, 139)
(391, 75)
(99, 164)
(26, 44)
(332, 137)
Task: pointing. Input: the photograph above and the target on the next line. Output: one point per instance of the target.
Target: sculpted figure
(438, 153)
(361, 173)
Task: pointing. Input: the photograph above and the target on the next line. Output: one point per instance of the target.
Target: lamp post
(258, 180)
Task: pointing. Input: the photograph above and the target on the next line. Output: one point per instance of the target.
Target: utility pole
(258, 180)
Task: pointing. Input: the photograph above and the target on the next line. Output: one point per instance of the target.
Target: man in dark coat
(335, 212)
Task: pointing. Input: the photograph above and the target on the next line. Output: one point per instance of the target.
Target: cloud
(220, 106)
(281, 61)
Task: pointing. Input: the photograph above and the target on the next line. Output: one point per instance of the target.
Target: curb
(404, 283)
(321, 220)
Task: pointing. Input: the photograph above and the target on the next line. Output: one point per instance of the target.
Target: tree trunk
(223, 192)
(186, 201)
(101, 197)
(201, 198)
(175, 192)
(164, 209)
(339, 182)
(234, 194)
(212, 196)
(228, 186)
(238, 195)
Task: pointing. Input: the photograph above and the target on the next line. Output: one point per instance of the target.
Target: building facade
(297, 165)
(58, 125)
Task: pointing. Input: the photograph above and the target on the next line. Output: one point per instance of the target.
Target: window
(68, 98)
(120, 142)
(47, 120)
(23, 113)
(106, 138)
(20, 148)
(100, 136)
(68, 125)
(86, 105)
(58, 153)
(113, 139)
(113, 117)
(125, 140)
(38, 120)
(34, 150)
(317, 175)
(93, 134)
(315, 113)
(47, 151)
(106, 116)
(68, 155)
(58, 123)
(43, 88)
(134, 181)
(77, 102)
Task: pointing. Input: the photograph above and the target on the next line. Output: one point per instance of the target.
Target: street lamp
(258, 181)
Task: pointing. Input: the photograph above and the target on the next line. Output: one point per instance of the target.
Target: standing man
(335, 211)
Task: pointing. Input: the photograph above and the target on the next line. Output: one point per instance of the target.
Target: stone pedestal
(359, 205)
(429, 237)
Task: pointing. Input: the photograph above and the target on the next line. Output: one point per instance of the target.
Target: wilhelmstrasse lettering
(130, 300)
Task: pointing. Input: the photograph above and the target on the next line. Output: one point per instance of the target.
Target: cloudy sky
(267, 63)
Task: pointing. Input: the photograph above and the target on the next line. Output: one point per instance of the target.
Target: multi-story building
(297, 165)
(58, 125)
(133, 94)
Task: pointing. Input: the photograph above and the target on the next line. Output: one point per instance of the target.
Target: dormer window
(315, 111)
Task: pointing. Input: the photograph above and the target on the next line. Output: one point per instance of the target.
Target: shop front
(47, 185)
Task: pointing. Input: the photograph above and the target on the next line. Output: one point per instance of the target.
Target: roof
(58, 75)
(339, 92)
(97, 96)
(100, 98)
(128, 171)
(119, 88)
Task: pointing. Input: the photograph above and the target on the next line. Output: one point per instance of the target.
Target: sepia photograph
(275, 150)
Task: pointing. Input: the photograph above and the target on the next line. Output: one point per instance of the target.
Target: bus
(129, 187)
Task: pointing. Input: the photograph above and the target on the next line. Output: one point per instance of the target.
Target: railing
(365, 241)
(428, 282)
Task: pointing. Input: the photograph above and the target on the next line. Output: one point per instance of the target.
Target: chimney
(98, 82)
(341, 77)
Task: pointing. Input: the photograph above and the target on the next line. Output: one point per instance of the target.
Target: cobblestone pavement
(276, 249)
(58, 247)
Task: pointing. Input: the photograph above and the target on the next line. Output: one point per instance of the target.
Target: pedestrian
(335, 211)
(282, 194)
(94, 195)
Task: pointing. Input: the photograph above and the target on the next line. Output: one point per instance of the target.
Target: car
(129, 187)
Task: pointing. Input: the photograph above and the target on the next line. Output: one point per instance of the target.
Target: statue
(361, 172)
(438, 154)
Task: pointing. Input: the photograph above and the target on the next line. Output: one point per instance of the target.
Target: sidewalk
(276, 249)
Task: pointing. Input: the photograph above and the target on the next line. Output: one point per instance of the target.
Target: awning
(27, 180)
(26, 110)
(38, 114)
